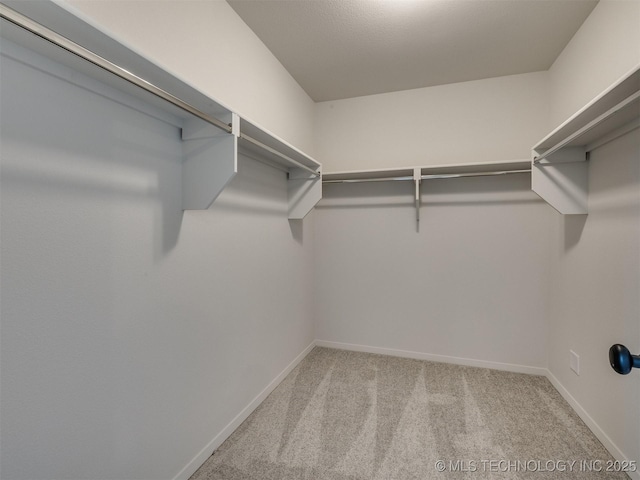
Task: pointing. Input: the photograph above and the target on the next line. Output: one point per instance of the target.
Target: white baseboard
(205, 453)
(591, 423)
(469, 362)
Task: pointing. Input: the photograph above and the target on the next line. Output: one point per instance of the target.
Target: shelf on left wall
(213, 135)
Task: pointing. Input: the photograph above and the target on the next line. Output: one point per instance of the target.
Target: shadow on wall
(297, 230)
(106, 152)
(257, 189)
(573, 227)
(88, 144)
(257, 192)
(130, 176)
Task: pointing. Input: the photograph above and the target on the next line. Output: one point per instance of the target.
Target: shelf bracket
(417, 178)
(562, 180)
(210, 161)
(304, 192)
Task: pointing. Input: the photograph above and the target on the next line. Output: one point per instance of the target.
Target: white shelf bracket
(304, 192)
(562, 180)
(417, 178)
(210, 161)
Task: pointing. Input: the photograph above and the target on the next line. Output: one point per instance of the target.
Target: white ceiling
(348, 48)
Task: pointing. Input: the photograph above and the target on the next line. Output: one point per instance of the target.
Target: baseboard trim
(469, 362)
(591, 423)
(205, 453)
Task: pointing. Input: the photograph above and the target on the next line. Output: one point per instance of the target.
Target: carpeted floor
(346, 415)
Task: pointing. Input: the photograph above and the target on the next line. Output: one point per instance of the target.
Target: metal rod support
(49, 35)
(418, 180)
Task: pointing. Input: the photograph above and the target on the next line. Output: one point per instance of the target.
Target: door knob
(621, 359)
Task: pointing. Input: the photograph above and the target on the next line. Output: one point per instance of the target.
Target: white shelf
(210, 152)
(54, 17)
(429, 172)
(451, 169)
(304, 188)
(273, 142)
(560, 171)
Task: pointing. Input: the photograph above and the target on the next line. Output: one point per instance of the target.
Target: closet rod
(76, 49)
(592, 124)
(427, 177)
(72, 47)
(255, 142)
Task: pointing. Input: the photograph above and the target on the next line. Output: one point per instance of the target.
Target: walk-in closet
(319, 239)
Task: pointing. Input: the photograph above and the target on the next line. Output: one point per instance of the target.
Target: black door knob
(621, 359)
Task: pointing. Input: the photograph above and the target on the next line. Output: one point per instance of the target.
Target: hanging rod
(255, 142)
(589, 126)
(427, 177)
(72, 47)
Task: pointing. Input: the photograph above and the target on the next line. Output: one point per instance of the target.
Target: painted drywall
(132, 333)
(480, 121)
(472, 284)
(206, 42)
(594, 297)
(606, 47)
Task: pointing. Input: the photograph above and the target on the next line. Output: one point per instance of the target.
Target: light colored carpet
(346, 415)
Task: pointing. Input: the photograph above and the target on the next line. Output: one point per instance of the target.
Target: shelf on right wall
(559, 166)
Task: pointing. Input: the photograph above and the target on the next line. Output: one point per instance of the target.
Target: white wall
(594, 301)
(206, 42)
(606, 47)
(480, 121)
(132, 333)
(471, 284)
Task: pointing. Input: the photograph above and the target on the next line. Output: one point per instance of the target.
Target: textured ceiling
(349, 48)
